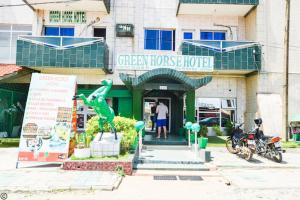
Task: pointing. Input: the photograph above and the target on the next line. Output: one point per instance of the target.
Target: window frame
(188, 32)
(10, 30)
(159, 42)
(213, 34)
(59, 30)
(233, 108)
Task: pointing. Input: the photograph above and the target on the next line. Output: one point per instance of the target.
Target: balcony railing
(228, 55)
(63, 52)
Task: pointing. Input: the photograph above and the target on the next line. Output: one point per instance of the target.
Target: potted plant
(217, 130)
(203, 137)
(82, 149)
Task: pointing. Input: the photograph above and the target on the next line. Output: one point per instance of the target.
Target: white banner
(48, 118)
(154, 61)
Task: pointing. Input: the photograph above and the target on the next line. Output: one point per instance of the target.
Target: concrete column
(190, 105)
(137, 101)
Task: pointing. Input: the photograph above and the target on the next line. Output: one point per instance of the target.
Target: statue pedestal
(108, 146)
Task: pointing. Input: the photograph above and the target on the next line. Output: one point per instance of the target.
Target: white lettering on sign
(177, 62)
(163, 87)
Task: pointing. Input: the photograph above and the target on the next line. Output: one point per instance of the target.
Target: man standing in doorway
(162, 111)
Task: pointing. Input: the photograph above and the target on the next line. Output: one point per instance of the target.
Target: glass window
(58, 31)
(52, 31)
(152, 39)
(166, 40)
(212, 35)
(159, 39)
(219, 35)
(206, 35)
(66, 31)
(215, 111)
(187, 35)
(9, 34)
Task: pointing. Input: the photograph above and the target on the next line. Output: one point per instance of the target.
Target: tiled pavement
(41, 177)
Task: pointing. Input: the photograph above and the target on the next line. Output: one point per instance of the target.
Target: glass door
(149, 112)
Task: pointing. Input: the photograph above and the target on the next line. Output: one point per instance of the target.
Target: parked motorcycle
(267, 146)
(241, 143)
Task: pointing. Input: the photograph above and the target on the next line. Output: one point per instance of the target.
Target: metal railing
(61, 42)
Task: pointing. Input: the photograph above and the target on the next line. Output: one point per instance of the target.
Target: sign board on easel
(47, 120)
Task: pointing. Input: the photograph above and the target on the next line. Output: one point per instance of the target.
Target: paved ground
(49, 177)
(222, 159)
(237, 180)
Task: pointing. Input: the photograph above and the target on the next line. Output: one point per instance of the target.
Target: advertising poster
(47, 120)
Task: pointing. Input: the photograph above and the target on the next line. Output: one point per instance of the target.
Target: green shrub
(217, 130)
(122, 124)
(203, 131)
(229, 127)
(83, 140)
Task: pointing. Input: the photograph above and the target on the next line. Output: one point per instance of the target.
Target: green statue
(97, 100)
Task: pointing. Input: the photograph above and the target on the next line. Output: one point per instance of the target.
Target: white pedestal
(82, 153)
(108, 146)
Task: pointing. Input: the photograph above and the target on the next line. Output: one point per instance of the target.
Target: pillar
(190, 106)
(137, 101)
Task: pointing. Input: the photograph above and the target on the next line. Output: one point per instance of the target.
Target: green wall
(122, 99)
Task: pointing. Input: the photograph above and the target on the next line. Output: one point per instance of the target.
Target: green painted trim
(112, 93)
(190, 106)
(134, 82)
(137, 104)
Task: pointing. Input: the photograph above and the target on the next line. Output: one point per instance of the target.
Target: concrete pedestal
(108, 146)
(204, 155)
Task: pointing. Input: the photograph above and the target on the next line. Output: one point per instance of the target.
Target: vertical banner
(47, 120)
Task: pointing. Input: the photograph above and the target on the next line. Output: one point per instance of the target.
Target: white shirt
(162, 111)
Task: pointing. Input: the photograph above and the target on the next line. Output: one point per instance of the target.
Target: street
(227, 182)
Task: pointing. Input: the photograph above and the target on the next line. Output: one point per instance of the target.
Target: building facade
(117, 39)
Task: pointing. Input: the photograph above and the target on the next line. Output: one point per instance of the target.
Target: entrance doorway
(149, 112)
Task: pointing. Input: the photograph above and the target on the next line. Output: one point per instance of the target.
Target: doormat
(190, 178)
(165, 178)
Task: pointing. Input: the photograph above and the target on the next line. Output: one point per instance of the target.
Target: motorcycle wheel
(248, 153)
(229, 147)
(277, 157)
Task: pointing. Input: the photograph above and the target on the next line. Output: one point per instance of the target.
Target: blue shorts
(161, 122)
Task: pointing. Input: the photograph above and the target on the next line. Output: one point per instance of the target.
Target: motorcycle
(241, 143)
(267, 146)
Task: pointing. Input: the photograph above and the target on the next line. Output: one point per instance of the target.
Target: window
(84, 113)
(9, 34)
(212, 35)
(187, 35)
(215, 111)
(100, 32)
(159, 39)
(58, 31)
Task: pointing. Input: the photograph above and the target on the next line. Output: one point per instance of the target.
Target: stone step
(171, 167)
(145, 172)
(152, 161)
(166, 147)
(165, 142)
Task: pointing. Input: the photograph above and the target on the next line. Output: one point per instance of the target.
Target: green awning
(132, 82)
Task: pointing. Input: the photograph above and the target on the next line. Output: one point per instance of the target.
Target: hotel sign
(142, 62)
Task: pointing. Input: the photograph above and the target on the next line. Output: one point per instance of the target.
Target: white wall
(15, 15)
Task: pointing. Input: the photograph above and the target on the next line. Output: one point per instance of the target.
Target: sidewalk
(221, 158)
(50, 177)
